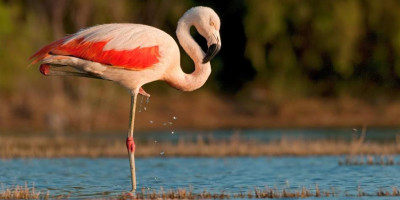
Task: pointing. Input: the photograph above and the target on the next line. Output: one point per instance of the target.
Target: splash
(147, 102)
(140, 105)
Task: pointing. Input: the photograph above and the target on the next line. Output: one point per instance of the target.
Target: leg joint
(130, 144)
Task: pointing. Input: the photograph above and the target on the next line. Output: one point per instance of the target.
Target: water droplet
(170, 123)
(172, 132)
(148, 100)
(161, 153)
(164, 124)
(155, 141)
(140, 106)
(174, 118)
(151, 121)
(355, 130)
(145, 108)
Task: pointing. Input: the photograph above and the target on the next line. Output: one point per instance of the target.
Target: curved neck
(186, 40)
(179, 79)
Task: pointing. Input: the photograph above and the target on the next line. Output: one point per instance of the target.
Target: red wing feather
(44, 51)
(134, 59)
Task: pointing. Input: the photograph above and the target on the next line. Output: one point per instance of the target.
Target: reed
(22, 192)
(369, 160)
(26, 192)
(266, 193)
(83, 146)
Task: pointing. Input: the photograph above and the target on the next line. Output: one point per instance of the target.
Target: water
(140, 105)
(109, 177)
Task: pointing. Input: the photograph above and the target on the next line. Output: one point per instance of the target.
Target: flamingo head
(207, 24)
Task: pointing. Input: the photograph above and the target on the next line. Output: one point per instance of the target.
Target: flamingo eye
(212, 23)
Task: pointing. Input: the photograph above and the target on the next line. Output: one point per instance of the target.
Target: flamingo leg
(130, 144)
(64, 70)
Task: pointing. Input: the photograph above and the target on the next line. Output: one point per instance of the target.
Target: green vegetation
(273, 52)
(325, 48)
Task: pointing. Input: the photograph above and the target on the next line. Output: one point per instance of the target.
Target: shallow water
(108, 177)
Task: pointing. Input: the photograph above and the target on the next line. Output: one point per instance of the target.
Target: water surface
(108, 177)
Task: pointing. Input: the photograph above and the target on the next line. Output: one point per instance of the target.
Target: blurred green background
(285, 63)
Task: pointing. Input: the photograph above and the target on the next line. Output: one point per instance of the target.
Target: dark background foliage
(275, 49)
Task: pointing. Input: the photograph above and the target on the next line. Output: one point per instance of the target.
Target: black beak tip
(211, 52)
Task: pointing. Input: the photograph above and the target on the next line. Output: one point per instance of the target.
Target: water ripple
(106, 177)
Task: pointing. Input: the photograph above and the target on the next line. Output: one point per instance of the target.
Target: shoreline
(92, 147)
(212, 111)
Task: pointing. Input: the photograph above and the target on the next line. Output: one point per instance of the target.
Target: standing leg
(130, 144)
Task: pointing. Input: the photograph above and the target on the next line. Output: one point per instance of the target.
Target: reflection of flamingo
(133, 55)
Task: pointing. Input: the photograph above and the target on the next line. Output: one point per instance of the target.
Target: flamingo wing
(128, 46)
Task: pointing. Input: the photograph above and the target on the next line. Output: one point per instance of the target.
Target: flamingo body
(129, 54)
(133, 55)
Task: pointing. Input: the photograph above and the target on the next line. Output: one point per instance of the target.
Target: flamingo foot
(45, 69)
(144, 93)
(130, 144)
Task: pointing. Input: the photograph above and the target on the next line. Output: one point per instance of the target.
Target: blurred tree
(286, 47)
(324, 47)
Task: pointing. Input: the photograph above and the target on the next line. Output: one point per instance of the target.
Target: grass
(269, 193)
(81, 109)
(83, 146)
(22, 192)
(369, 160)
(26, 192)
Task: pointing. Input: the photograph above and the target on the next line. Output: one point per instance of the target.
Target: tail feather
(44, 51)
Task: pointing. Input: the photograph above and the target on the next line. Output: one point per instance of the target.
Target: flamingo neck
(186, 40)
(193, 81)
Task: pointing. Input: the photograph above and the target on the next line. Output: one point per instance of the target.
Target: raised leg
(63, 70)
(77, 63)
(130, 144)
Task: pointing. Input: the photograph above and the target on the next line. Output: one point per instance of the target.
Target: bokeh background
(283, 63)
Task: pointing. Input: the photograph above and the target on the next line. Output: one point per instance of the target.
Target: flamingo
(133, 55)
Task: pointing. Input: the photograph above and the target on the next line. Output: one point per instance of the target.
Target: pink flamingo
(133, 55)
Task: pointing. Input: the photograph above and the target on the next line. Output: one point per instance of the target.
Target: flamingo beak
(211, 52)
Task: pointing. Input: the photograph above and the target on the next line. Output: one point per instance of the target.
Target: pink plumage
(133, 55)
(136, 58)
